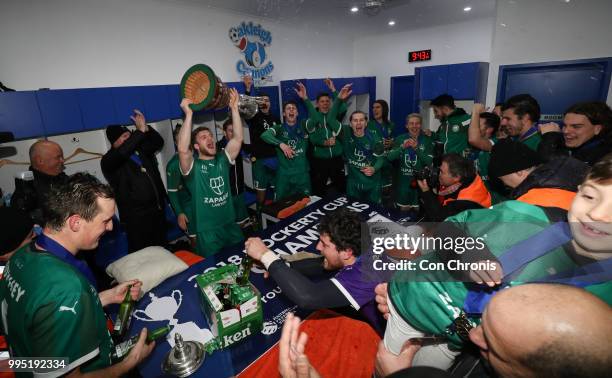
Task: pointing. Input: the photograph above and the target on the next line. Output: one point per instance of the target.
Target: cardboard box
(245, 318)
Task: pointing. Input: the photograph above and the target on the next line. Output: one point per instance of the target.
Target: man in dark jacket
(460, 189)
(586, 135)
(266, 163)
(47, 166)
(551, 184)
(131, 169)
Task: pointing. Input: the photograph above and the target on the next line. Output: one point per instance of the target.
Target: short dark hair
(385, 109)
(459, 166)
(358, 112)
(491, 120)
(444, 100)
(598, 113)
(289, 102)
(196, 131)
(343, 227)
(323, 94)
(522, 104)
(601, 171)
(78, 195)
(227, 123)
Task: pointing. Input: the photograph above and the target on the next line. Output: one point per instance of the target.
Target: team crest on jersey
(216, 184)
(455, 128)
(292, 143)
(359, 155)
(409, 162)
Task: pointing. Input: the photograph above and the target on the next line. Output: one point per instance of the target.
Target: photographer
(460, 189)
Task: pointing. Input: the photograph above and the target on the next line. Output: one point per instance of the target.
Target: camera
(429, 174)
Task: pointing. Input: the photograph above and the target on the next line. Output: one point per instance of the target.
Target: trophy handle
(180, 297)
(145, 318)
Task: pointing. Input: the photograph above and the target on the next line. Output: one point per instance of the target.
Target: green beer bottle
(245, 266)
(124, 316)
(122, 349)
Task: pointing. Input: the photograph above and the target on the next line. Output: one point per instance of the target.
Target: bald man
(47, 165)
(539, 330)
(532, 330)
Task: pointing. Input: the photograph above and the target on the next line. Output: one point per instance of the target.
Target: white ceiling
(408, 14)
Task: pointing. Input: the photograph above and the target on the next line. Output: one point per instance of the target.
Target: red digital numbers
(419, 56)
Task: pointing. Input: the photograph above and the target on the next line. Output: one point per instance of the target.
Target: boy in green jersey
(414, 151)
(50, 306)
(364, 154)
(577, 252)
(291, 141)
(207, 178)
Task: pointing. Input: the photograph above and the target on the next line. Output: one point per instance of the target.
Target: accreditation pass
(33, 364)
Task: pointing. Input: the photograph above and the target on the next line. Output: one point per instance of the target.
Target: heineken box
(233, 311)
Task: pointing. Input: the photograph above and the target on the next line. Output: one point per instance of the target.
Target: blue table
(176, 301)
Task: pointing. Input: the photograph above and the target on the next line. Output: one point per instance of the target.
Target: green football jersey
(453, 132)
(295, 137)
(180, 196)
(411, 159)
(49, 309)
(362, 152)
(208, 181)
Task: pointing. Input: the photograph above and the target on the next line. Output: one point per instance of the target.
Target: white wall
(92, 43)
(528, 31)
(387, 55)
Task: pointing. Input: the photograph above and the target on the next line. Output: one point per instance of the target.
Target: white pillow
(151, 265)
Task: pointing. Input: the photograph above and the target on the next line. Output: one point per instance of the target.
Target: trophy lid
(198, 84)
(185, 358)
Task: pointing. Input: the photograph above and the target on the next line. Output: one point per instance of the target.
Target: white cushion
(151, 265)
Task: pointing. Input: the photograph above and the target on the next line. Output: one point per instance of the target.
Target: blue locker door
(462, 81)
(557, 85)
(125, 100)
(97, 110)
(174, 99)
(402, 101)
(156, 105)
(433, 81)
(60, 111)
(19, 114)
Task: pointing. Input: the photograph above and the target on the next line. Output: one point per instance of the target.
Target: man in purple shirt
(351, 288)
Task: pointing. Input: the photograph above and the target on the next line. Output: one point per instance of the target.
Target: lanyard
(62, 253)
(515, 258)
(136, 159)
(532, 130)
(385, 133)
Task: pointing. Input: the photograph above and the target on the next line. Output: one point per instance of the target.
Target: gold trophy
(207, 91)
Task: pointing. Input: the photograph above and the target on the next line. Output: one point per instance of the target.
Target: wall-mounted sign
(253, 41)
(419, 56)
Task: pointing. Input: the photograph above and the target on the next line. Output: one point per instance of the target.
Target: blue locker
(60, 111)
(402, 101)
(174, 100)
(19, 114)
(156, 105)
(557, 85)
(97, 110)
(125, 100)
(433, 81)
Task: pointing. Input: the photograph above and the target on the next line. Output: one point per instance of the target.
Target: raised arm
(234, 145)
(184, 138)
(474, 137)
